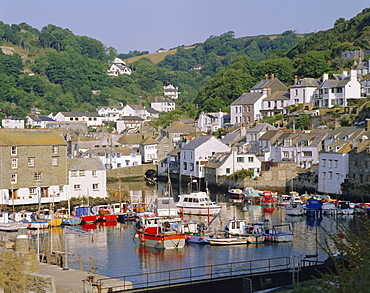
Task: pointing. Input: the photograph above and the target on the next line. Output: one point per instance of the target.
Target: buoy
(136, 235)
(142, 239)
(181, 211)
(159, 241)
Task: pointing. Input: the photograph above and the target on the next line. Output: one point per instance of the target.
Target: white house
(253, 135)
(38, 121)
(114, 157)
(210, 122)
(90, 118)
(275, 103)
(127, 123)
(112, 113)
(135, 110)
(87, 177)
(148, 150)
(195, 154)
(163, 104)
(303, 90)
(12, 122)
(338, 90)
(171, 91)
(333, 167)
(119, 67)
(226, 163)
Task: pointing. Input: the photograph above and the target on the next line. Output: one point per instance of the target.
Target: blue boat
(313, 207)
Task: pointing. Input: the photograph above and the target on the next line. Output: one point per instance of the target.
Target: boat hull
(108, 217)
(72, 221)
(88, 219)
(199, 211)
(163, 241)
(36, 224)
(227, 241)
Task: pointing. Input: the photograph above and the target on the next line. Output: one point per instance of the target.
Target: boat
(362, 208)
(251, 232)
(104, 213)
(284, 200)
(164, 207)
(252, 196)
(344, 208)
(294, 209)
(197, 203)
(30, 220)
(227, 241)
(159, 232)
(139, 208)
(236, 193)
(196, 233)
(67, 218)
(267, 200)
(83, 212)
(279, 233)
(329, 208)
(48, 215)
(8, 225)
(123, 213)
(313, 207)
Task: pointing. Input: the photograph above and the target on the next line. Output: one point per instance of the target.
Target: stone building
(33, 167)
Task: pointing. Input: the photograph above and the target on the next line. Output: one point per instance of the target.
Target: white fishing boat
(251, 232)
(294, 209)
(9, 225)
(164, 207)
(29, 220)
(344, 208)
(329, 208)
(227, 241)
(197, 203)
(279, 233)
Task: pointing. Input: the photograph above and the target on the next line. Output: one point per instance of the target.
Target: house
(253, 135)
(338, 91)
(153, 114)
(114, 157)
(170, 164)
(129, 123)
(90, 118)
(38, 121)
(177, 129)
(163, 148)
(12, 122)
(148, 150)
(118, 67)
(112, 113)
(276, 103)
(333, 167)
(365, 85)
(247, 108)
(163, 104)
(33, 167)
(210, 122)
(195, 154)
(265, 143)
(87, 177)
(171, 91)
(135, 110)
(226, 163)
(303, 91)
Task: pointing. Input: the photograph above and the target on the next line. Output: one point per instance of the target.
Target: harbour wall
(133, 171)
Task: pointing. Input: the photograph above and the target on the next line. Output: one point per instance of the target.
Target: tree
(303, 121)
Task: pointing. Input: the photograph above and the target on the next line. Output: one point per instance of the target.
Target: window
(330, 175)
(324, 162)
(307, 154)
(185, 166)
(32, 190)
(14, 151)
(250, 159)
(31, 162)
(37, 176)
(285, 154)
(13, 179)
(118, 155)
(74, 173)
(95, 186)
(54, 161)
(61, 188)
(93, 172)
(227, 170)
(296, 92)
(191, 166)
(127, 162)
(118, 165)
(55, 150)
(14, 163)
(77, 187)
(81, 173)
(330, 163)
(240, 159)
(335, 163)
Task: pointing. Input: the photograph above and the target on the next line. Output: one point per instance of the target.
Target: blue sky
(147, 25)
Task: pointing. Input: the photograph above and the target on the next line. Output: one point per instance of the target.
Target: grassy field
(154, 57)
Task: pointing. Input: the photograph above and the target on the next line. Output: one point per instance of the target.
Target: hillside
(154, 57)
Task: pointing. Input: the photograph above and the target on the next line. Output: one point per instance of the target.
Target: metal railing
(201, 273)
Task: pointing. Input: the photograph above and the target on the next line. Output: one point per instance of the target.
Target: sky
(147, 25)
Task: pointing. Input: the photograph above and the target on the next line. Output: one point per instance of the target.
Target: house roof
(306, 82)
(217, 160)
(13, 118)
(149, 141)
(10, 137)
(40, 118)
(231, 137)
(131, 118)
(136, 107)
(247, 99)
(133, 138)
(110, 107)
(262, 127)
(85, 164)
(361, 146)
(273, 83)
(271, 135)
(180, 127)
(174, 152)
(196, 142)
(344, 147)
(125, 151)
(80, 114)
(163, 100)
(152, 111)
(278, 96)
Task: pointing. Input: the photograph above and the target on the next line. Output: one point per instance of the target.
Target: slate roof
(306, 82)
(273, 83)
(344, 147)
(131, 118)
(271, 135)
(110, 107)
(361, 146)
(30, 137)
(80, 114)
(149, 141)
(137, 107)
(85, 164)
(40, 118)
(217, 160)
(163, 100)
(230, 137)
(247, 99)
(152, 111)
(180, 127)
(262, 127)
(278, 96)
(196, 142)
(13, 118)
(125, 151)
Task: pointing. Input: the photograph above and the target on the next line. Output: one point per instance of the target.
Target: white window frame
(77, 187)
(74, 173)
(94, 173)
(81, 173)
(37, 176)
(32, 190)
(31, 161)
(55, 161)
(14, 163)
(95, 186)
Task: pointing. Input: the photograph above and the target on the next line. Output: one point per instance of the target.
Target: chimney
(266, 76)
(325, 76)
(344, 74)
(353, 74)
(272, 76)
(295, 79)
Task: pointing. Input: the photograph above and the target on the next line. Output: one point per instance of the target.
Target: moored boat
(344, 208)
(29, 220)
(164, 207)
(67, 218)
(9, 225)
(294, 209)
(83, 212)
(279, 233)
(251, 232)
(313, 207)
(197, 203)
(104, 213)
(267, 200)
(196, 233)
(236, 193)
(160, 232)
(227, 241)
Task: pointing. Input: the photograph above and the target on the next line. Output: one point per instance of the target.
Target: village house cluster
(59, 156)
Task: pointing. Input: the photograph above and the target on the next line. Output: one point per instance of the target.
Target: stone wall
(134, 171)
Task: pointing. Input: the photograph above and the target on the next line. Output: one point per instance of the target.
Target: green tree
(304, 121)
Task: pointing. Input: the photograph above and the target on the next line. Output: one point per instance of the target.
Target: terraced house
(33, 167)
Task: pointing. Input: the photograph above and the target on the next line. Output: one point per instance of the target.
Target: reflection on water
(116, 252)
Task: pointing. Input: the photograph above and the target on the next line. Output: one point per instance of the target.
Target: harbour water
(116, 252)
